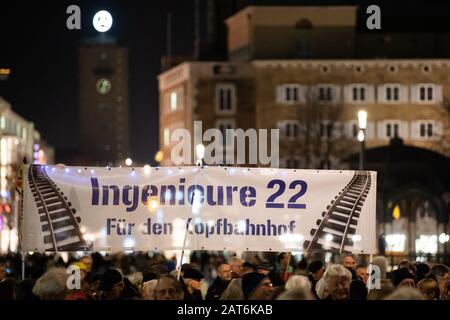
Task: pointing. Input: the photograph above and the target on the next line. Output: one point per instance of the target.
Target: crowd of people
(212, 276)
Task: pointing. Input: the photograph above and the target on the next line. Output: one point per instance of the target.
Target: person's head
(385, 289)
(2, 271)
(429, 288)
(337, 279)
(408, 265)
(52, 285)
(348, 260)
(148, 289)
(298, 282)
(382, 263)
(112, 284)
(362, 273)
(168, 288)
(321, 289)
(87, 261)
(316, 269)
(224, 272)
(136, 279)
(405, 293)
(403, 277)
(193, 279)
(440, 273)
(256, 286)
(422, 270)
(236, 267)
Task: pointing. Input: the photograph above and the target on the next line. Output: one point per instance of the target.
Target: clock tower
(103, 74)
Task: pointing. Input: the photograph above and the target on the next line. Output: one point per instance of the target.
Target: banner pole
(23, 265)
(199, 163)
(369, 279)
(184, 246)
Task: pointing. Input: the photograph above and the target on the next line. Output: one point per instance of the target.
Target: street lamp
(128, 162)
(362, 123)
(200, 152)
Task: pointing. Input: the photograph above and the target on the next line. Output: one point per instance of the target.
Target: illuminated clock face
(102, 21)
(103, 86)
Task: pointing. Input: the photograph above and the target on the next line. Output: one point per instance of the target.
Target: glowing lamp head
(200, 151)
(128, 162)
(361, 136)
(362, 119)
(102, 21)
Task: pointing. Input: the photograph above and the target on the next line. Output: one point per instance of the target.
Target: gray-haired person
(337, 280)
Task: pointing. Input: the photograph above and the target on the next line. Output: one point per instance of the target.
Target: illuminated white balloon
(102, 21)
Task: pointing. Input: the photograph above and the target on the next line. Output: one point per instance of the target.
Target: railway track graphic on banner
(60, 226)
(336, 229)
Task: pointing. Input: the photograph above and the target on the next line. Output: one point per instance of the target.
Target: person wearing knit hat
(111, 284)
(256, 286)
(191, 284)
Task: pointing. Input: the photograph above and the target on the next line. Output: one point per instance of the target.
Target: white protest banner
(224, 208)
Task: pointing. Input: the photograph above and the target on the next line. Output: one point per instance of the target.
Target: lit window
(173, 101)
(427, 244)
(395, 242)
(166, 136)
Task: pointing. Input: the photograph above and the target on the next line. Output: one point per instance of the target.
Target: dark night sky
(42, 53)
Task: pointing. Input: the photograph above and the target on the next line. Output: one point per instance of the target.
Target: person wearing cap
(220, 283)
(315, 273)
(112, 285)
(192, 280)
(257, 286)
